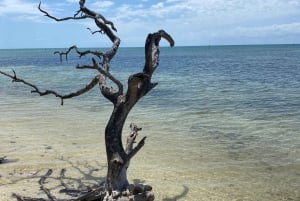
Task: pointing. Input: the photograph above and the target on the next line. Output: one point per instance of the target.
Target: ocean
(222, 124)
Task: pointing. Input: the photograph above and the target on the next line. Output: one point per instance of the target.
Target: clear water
(222, 124)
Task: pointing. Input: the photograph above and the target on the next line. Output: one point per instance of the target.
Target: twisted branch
(62, 19)
(131, 140)
(152, 50)
(93, 32)
(102, 23)
(93, 14)
(48, 92)
(109, 92)
(105, 27)
(98, 54)
(139, 84)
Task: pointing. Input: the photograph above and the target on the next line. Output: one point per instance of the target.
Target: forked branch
(98, 54)
(62, 19)
(105, 27)
(130, 150)
(152, 50)
(102, 23)
(140, 84)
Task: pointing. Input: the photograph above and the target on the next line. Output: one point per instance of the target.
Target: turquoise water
(222, 124)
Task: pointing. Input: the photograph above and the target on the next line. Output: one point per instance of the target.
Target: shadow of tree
(177, 197)
(72, 186)
(87, 171)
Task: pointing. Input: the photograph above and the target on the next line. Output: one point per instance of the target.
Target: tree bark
(139, 85)
(116, 156)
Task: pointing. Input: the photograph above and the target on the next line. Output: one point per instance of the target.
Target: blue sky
(190, 22)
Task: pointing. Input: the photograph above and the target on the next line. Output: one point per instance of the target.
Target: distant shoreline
(181, 46)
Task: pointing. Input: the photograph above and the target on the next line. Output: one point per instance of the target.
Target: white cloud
(72, 1)
(26, 11)
(159, 5)
(191, 22)
(101, 6)
(202, 20)
(17, 7)
(271, 30)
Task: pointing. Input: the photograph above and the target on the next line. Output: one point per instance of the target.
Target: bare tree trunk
(116, 156)
(139, 84)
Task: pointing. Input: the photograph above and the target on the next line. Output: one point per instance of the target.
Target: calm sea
(222, 124)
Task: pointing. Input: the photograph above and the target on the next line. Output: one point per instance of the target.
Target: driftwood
(116, 186)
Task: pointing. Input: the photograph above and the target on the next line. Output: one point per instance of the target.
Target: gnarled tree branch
(139, 84)
(62, 19)
(105, 27)
(131, 140)
(152, 51)
(51, 92)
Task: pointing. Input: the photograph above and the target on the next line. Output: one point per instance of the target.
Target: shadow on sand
(177, 197)
(73, 187)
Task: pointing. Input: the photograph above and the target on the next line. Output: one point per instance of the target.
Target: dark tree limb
(106, 27)
(65, 53)
(62, 19)
(94, 14)
(93, 32)
(152, 51)
(98, 54)
(86, 13)
(140, 84)
(130, 151)
(137, 148)
(131, 140)
(107, 91)
(51, 92)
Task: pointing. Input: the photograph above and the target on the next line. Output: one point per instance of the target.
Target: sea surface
(222, 124)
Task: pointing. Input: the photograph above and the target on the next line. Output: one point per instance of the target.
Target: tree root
(134, 192)
(138, 192)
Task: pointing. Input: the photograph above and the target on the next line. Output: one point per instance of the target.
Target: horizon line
(164, 46)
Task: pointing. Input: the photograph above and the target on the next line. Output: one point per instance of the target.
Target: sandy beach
(58, 141)
(62, 140)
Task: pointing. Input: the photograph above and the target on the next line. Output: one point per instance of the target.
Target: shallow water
(223, 123)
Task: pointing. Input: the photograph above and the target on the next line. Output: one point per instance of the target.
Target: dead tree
(139, 84)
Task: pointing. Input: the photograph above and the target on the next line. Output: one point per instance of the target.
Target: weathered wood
(139, 84)
(88, 87)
